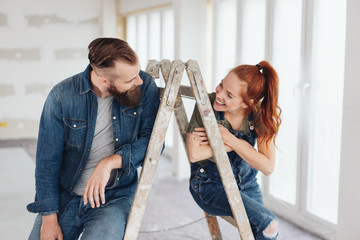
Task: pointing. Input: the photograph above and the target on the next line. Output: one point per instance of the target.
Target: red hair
(263, 89)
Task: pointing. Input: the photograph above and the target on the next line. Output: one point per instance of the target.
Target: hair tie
(259, 67)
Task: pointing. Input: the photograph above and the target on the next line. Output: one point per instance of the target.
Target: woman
(246, 107)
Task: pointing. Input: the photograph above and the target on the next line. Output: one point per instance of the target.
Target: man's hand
(99, 178)
(50, 228)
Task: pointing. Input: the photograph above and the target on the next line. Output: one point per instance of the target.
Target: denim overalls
(207, 189)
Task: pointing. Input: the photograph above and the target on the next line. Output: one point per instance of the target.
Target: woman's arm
(262, 160)
(195, 150)
(198, 147)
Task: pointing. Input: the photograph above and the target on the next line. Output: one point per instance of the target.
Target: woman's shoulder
(212, 97)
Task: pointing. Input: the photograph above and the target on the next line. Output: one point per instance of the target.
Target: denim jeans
(208, 192)
(106, 222)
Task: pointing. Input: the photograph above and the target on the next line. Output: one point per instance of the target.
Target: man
(94, 132)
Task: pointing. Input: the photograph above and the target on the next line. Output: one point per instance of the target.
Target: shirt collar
(86, 85)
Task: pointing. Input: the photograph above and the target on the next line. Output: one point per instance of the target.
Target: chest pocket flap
(75, 131)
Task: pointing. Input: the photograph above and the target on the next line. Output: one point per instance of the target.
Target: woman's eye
(229, 96)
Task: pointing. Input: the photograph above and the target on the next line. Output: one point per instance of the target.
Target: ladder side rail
(182, 123)
(217, 146)
(153, 152)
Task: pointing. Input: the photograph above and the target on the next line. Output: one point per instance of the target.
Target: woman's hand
(201, 135)
(226, 135)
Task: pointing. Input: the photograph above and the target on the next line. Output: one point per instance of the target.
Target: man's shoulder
(69, 86)
(145, 76)
(149, 84)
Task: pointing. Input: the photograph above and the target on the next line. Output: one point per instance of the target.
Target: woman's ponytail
(269, 109)
(262, 97)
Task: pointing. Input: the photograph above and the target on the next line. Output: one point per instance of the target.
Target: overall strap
(220, 116)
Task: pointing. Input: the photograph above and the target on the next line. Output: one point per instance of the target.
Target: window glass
(326, 93)
(253, 31)
(225, 38)
(286, 60)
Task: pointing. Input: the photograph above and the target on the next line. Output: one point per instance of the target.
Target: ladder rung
(184, 91)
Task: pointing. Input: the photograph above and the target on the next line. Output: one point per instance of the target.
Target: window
(151, 34)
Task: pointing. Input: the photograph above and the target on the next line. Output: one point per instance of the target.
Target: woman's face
(228, 97)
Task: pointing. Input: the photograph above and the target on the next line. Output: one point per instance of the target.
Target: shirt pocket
(75, 131)
(132, 118)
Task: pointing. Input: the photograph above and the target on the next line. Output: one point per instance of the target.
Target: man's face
(124, 84)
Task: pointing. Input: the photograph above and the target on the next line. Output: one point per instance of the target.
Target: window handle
(305, 89)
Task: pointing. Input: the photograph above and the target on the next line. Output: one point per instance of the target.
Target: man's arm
(48, 164)
(48, 157)
(96, 184)
(129, 155)
(133, 154)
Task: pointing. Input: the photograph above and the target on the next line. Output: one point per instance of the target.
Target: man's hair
(104, 51)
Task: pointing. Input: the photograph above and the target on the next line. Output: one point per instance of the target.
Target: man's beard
(129, 98)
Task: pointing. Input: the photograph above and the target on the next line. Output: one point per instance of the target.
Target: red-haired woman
(246, 107)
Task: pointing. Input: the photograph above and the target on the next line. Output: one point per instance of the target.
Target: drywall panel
(42, 42)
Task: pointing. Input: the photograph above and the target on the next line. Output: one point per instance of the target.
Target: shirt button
(114, 118)
(88, 149)
(118, 179)
(202, 170)
(94, 104)
(74, 125)
(81, 169)
(92, 126)
(116, 139)
(134, 113)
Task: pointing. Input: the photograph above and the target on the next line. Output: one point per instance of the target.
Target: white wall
(42, 42)
(349, 194)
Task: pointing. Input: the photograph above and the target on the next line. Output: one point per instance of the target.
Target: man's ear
(104, 82)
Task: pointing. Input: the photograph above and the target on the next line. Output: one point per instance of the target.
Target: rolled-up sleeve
(48, 158)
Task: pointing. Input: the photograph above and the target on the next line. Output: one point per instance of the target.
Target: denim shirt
(66, 133)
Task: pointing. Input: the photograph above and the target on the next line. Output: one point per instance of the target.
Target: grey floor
(170, 214)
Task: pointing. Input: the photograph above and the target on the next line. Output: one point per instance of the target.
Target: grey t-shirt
(102, 145)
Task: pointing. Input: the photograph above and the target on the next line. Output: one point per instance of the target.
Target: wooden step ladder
(171, 101)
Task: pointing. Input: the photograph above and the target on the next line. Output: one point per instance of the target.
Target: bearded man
(94, 131)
